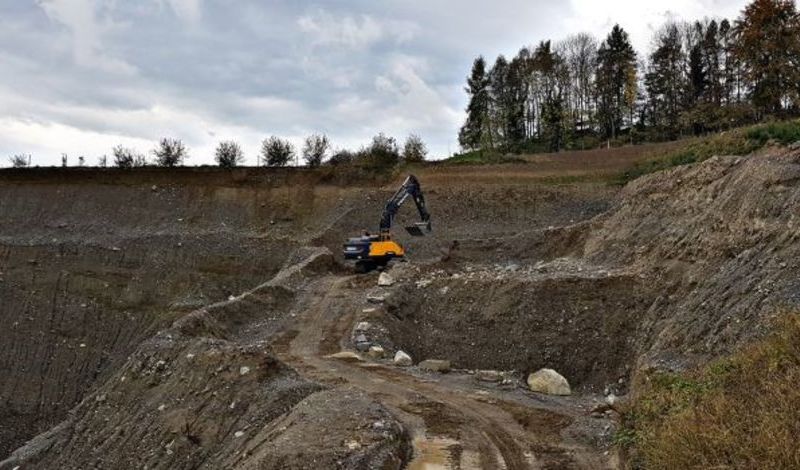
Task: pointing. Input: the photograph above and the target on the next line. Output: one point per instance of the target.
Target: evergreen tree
(474, 131)
(664, 81)
(616, 80)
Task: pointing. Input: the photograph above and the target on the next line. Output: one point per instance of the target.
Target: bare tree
(170, 152)
(81, 160)
(276, 151)
(414, 149)
(580, 53)
(102, 162)
(315, 149)
(229, 154)
(20, 161)
(64, 160)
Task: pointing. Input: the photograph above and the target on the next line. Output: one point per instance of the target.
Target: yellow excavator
(370, 251)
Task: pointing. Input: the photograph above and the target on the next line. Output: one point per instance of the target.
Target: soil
(188, 323)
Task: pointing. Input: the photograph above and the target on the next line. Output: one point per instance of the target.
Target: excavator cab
(370, 250)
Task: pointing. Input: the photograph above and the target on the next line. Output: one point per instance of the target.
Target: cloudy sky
(81, 76)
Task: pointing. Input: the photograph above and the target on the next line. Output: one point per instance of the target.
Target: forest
(698, 77)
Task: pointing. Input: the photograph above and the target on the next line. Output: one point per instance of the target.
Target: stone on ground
(548, 381)
(376, 352)
(489, 375)
(402, 359)
(346, 356)
(385, 280)
(435, 365)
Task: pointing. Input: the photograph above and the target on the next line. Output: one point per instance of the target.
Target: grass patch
(741, 141)
(739, 412)
(482, 157)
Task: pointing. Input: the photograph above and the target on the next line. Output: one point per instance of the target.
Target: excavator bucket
(418, 229)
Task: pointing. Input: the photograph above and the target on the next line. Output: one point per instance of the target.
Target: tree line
(698, 77)
(382, 151)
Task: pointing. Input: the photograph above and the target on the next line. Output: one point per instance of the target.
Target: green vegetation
(697, 77)
(739, 412)
(482, 157)
(740, 141)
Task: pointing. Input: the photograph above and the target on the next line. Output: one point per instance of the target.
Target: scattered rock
(376, 352)
(346, 356)
(376, 299)
(238, 434)
(385, 280)
(352, 445)
(363, 326)
(362, 343)
(154, 188)
(435, 365)
(244, 370)
(402, 359)
(488, 375)
(611, 399)
(548, 381)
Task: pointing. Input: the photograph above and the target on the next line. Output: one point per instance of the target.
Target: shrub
(20, 161)
(127, 158)
(342, 157)
(170, 152)
(229, 154)
(276, 151)
(414, 149)
(315, 148)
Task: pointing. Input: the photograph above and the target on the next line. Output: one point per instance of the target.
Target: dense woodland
(698, 77)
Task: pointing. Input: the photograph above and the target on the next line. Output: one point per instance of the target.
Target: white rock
(376, 352)
(611, 399)
(244, 370)
(548, 381)
(363, 326)
(385, 280)
(238, 434)
(402, 359)
(376, 299)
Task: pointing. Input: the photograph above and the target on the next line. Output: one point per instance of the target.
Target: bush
(315, 148)
(20, 161)
(738, 412)
(276, 151)
(383, 152)
(342, 157)
(170, 152)
(229, 154)
(414, 149)
(127, 158)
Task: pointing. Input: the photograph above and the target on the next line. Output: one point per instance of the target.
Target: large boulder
(548, 381)
(402, 359)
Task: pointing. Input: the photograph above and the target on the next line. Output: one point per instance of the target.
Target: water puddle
(441, 453)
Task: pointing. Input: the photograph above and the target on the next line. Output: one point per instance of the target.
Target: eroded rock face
(548, 381)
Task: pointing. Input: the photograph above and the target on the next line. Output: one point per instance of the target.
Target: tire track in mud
(452, 428)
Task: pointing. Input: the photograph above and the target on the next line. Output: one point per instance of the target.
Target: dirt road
(456, 422)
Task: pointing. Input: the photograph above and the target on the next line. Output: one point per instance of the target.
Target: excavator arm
(409, 188)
